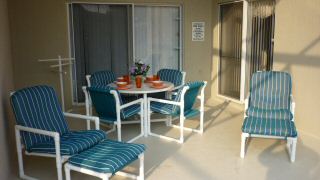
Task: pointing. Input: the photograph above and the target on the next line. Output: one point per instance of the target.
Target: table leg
(145, 115)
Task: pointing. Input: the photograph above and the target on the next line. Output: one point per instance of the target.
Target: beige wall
(297, 50)
(40, 30)
(5, 87)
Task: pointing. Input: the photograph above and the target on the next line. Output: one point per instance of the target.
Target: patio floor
(214, 155)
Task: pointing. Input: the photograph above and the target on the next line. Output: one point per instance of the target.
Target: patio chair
(269, 110)
(181, 106)
(111, 109)
(102, 78)
(42, 129)
(174, 76)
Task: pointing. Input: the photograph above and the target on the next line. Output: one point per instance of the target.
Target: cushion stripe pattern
(271, 127)
(270, 90)
(189, 100)
(38, 107)
(280, 114)
(171, 75)
(102, 78)
(108, 156)
(71, 143)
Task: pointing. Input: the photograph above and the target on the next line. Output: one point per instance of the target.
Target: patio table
(145, 90)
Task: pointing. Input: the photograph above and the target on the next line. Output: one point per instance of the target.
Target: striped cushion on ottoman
(108, 156)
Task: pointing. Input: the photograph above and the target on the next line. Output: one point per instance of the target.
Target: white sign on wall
(198, 31)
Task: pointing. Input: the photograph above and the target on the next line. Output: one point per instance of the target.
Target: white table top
(145, 89)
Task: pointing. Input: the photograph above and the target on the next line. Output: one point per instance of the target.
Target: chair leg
(19, 151)
(141, 169)
(119, 131)
(181, 129)
(292, 145)
(201, 122)
(67, 172)
(244, 136)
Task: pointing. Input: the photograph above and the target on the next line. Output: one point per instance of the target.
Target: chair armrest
(246, 105)
(38, 131)
(164, 101)
(55, 135)
(138, 101)
(85, 117)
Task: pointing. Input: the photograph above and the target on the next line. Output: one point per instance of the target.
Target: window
(114, 36)
(253, 21)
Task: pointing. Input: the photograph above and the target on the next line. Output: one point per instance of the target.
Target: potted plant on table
(139, 70)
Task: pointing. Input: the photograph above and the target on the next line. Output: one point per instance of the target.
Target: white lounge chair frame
(106, 176)
(59, 158)
(118, 111)
(181, 116)
(291, 141)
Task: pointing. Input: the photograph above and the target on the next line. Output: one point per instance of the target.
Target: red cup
(138, 81)
(156, 77)
(127, 78)
(149, 78)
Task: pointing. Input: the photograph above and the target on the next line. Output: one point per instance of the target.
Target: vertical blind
(261, 21)
(230, 49)
(101, 41)
(157, 36)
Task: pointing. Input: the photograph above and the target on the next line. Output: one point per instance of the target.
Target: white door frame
(243, 51)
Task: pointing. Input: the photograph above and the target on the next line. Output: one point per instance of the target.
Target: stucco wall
(5, 87)
(297, 50)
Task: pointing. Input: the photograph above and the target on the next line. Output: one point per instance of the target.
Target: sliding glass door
(114, 36)
(246, 44)
(157, 36)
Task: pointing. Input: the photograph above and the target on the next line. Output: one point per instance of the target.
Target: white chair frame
(118, 111)
(106, 176)
(59, 158)
(181, 116)
(291, 141)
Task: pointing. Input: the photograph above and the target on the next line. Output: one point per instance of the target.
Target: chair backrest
(172, 75)
(270, 90)
(191, 92)
(102, 78)
(104, 101)
(38, 107)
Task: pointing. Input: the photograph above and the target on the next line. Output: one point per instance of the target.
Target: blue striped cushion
(270, 90)
(269, 127)
(171, 75)
(71, 143)
(189, 100)
(108, 156)
(161, 108)
(167, 109)
(130, 111)
(38, 107)
(280, 114)
(102, 78)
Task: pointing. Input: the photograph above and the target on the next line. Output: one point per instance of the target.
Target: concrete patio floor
(213, 155)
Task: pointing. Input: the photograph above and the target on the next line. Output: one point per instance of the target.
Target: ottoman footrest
(106, 159)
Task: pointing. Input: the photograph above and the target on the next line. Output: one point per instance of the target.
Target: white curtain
(157, 36)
